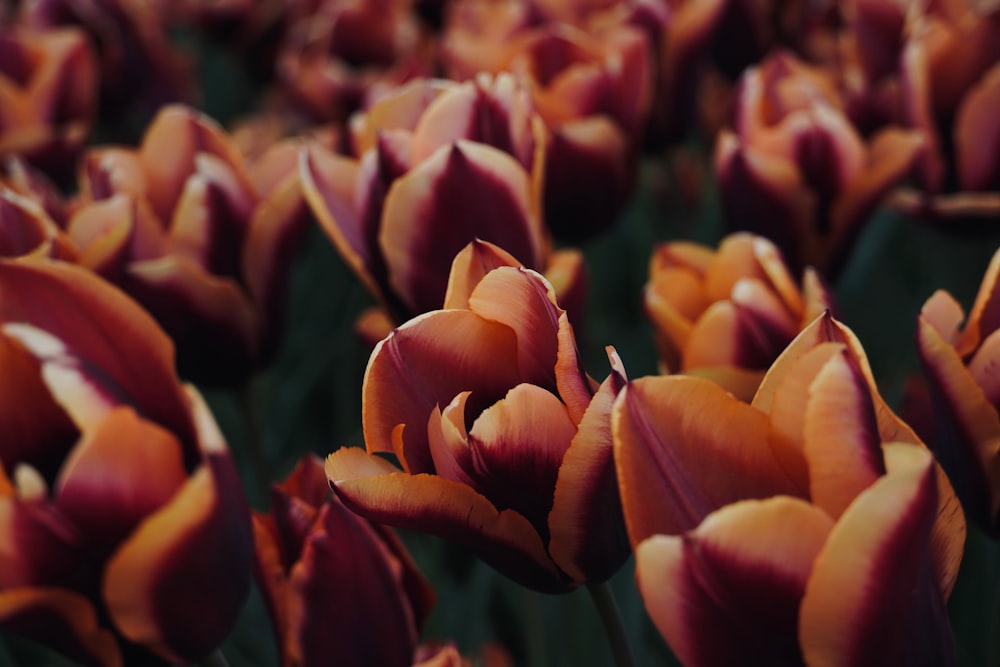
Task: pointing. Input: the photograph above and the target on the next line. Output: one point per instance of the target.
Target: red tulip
(794, 169)
(127, 537)
(48, 96)
(335, 583)
(503, 440)
(959, 368)
(198, 236)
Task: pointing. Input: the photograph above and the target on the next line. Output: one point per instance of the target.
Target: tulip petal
(977, 134)
(728, 593)
(504, 539)
(344, 560)
(588, 537)
(470, 266)
(517, 446)
(866, 602)
(117, 474)
(61, 619)
(99, 328)
(39, 547)
(210, 318)
(685, 447)
(36, 430)
(842, 444)
(425, 363)
(433, 211)
(177, 584)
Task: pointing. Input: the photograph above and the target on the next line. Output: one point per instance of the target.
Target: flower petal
(425, 363)
(470, 266)
(588, 537)
(731, 588)
(505, 540)
(61, 619)
(867, 602)
(117, 474)
(433, 211)
(685, 447)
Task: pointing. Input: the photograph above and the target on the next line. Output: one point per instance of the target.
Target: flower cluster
(213, 213)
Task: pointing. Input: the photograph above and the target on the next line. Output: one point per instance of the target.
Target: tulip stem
(611, 619)
(214, 659)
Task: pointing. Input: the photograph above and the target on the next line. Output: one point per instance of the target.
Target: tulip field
(455, 333)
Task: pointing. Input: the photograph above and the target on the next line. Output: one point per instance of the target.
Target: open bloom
(126, 534)
(198, 236)
(727, 314)
(438, 165)
(794, 169)
(336, 584)
(503, 440)
(960, 363)
(801, 467)
(48, 96)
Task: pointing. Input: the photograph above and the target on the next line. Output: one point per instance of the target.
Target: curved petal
(425, 363)
(61, 619)
(517, 446)
(433, 211)
(841, 440)
(685, 447)
(117, 474)
(977, 134)
(870, 600)
(587, 532)
(98, 328)
(505, 540)
(470, 266)
(731, 588)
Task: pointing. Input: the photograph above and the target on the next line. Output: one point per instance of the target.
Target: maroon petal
(731, 588)
(588, 537)
(460, 193)
(470, 266)
(977, 135)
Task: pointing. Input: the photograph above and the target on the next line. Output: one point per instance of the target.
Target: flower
(503, 440)
(200, 237)
(48, 98)
(959, 367)
(439, 165)
(335, 584)
(851, 517)
(794, 168)
(126, 534)
(727, 314)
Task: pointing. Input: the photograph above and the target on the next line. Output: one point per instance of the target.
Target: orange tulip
(959, 369)
(126, 534)
(728, 314)
(48, 96)
(801, 468)
(198, 236)
(335, 584)
(503, 440)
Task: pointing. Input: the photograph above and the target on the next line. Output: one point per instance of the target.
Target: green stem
(214, 659)
(254, 447)
(611, 619)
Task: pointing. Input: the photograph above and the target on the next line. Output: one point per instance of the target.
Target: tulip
(958, 367)
(198, 236)
(27, 229)
(48, 99)
(441, 165)
(335, 584)
(728, 314)
(794, 169)
(813, 448)
(127, 536)
(503, 441)
(138, 66)
(334, 57)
